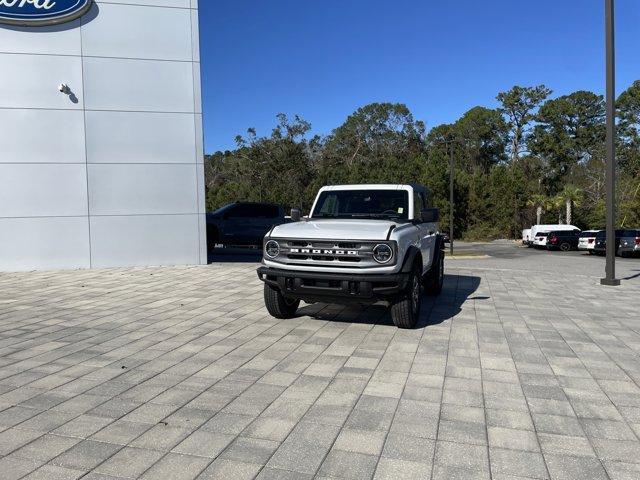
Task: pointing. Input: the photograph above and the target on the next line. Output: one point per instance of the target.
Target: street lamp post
(448, 144)
(610, 271)
(451, 170)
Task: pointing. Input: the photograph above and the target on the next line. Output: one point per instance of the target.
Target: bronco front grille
(329, 253)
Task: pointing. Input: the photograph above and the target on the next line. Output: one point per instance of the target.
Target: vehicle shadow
(456, 291)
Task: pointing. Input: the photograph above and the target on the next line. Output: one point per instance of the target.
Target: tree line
(534, 159)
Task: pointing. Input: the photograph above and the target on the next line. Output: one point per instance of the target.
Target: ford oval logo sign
(41, 12)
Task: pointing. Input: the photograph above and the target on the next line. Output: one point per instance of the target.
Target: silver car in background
(629, 243)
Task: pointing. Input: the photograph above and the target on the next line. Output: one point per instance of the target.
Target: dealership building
(101, 151)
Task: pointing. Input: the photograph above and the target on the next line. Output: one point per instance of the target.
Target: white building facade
(101, 151)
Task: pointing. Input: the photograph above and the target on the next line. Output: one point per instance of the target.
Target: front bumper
(628, 248)
(322, 286)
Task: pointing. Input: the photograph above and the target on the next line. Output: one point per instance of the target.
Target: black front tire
(278, 305)
(565, 247)
(406, 309)
(435, 277)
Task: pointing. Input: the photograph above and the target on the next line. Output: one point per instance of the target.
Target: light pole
(610, 270)
(451, 166)
(448, 144)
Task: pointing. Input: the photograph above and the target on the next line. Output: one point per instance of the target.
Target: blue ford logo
(41, 12)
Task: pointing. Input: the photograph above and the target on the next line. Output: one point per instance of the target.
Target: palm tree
(571, 196)
(540, 202)
(557, 203)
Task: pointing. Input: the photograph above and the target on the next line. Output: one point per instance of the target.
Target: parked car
(601, 241)
(540, 240)
(360, 244)
(526, 237)
(535, 229)
(587, 241)
(242, 223)
(629, 243)
(564, 240)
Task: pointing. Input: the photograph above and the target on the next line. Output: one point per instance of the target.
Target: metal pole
(451, 198)
(610, 271)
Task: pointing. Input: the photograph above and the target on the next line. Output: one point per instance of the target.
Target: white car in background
(587, 241)
(526, 237)
(540, 240)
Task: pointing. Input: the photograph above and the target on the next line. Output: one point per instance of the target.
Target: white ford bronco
(360, 243)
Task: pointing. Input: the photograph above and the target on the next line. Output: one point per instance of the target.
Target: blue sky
(323, 59)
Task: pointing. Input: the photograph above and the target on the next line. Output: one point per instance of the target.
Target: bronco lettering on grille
(323, 252)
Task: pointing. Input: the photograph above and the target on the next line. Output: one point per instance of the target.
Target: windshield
(222, 210)
(363, 204)
(603, 234)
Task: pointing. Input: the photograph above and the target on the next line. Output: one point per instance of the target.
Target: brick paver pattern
(179, 373)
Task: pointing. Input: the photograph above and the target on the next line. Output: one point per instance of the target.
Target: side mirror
(296, 214)
(430, 215)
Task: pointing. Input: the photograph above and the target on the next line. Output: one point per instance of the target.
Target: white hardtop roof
(553, 225)
(380, 186)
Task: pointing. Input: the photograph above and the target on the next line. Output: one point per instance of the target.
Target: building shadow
(456, 291)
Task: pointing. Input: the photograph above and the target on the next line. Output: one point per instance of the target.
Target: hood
(335, 229)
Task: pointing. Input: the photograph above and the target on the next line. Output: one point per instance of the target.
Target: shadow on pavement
(457, 290)
(435, 310)
(631, 277)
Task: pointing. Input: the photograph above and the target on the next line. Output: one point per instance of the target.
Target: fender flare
(409, 258)
(439, 251)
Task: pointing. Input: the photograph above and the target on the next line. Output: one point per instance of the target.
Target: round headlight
(382, 253)
(272, 249)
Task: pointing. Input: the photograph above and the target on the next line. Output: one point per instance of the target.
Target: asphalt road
(507, 255)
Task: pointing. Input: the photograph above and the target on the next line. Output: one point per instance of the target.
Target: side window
(418, 205)
(265, 211)
(232, 212)
(241, 211)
